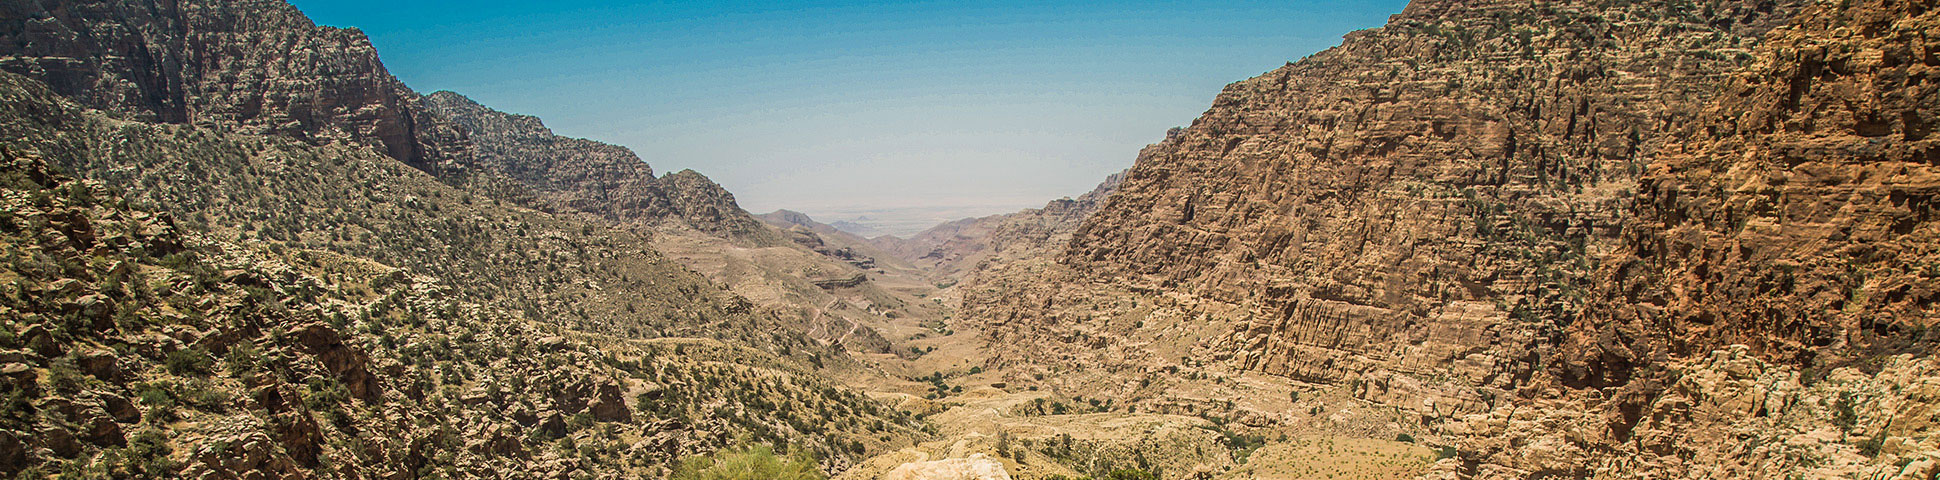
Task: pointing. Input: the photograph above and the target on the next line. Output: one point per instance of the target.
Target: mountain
(138, 347)
(950, 251)
(255, 130)
(1533, 232)
(589, 176)
(260, 67)
(1490, 239)
(256, 66)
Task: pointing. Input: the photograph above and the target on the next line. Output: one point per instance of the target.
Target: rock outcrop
(1796, 218)
(975, 467)
(589, 176)
(257, 66)
(1421, 200)
(1539, 227)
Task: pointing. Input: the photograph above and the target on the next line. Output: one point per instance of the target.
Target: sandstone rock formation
(258, 66)
(1416, 201)
(1543, 214)
(1795, 218)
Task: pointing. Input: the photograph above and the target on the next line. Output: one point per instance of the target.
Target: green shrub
(244, 359)
(1406, 438)
(1131, 474)
(748, 463)
(189, 362)
(579, 421)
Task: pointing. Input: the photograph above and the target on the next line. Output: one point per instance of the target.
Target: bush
(579, 421)
(1405, 438)
(748, 463)
(1131, 474)
(244, 359)
(189, 362)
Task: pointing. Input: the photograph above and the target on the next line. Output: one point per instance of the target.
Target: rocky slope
(132, 346)
(261, 67)
(1569, 239)
(1409, 204)
(950, 252)
(577, 270)
(1779, 264)
(593, 177)
(257, 66)
(1796, 218)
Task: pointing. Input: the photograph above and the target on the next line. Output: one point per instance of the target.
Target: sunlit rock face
(976, 467)
(1420, 208)
(258, 66)
(1548, 213)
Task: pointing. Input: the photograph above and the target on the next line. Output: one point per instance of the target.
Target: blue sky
(840, 109)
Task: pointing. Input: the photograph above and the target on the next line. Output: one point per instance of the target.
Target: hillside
(593, 177)
(1556, 219)
(137, 347)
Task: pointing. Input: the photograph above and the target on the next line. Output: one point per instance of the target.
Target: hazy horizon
(833, 109)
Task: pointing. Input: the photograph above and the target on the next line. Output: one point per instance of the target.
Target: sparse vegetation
(757, 462)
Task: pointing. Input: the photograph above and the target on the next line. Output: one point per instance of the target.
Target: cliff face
(1422, 202)
(1766, 311)
(1797, 217)
(589, 176)
(1583, 239)
(258, 66)
(261, 67)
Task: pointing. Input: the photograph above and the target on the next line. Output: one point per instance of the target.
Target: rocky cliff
(261, 67)
(1417, 201)
(257, 66)
(1576, 239)
(589, 176)
(1796, 217)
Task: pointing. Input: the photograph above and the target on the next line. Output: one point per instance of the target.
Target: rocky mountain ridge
(260, 67)
(1492, 212)
(136, 347)
(593, 177)
(951, 251)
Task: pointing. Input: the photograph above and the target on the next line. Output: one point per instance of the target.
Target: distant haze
(905, 113)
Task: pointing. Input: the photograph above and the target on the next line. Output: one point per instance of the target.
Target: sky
(904, 114)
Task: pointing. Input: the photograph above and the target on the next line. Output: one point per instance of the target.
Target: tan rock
(975, 467)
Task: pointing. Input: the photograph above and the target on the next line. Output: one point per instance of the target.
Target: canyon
(1489, 239)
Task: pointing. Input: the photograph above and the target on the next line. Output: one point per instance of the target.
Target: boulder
(101, 430)
(13, 453)
(21, 376)
(99, 363)
(41, 341)
(118, 407)
(59, 441)
(349, 364)
(609, 405)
